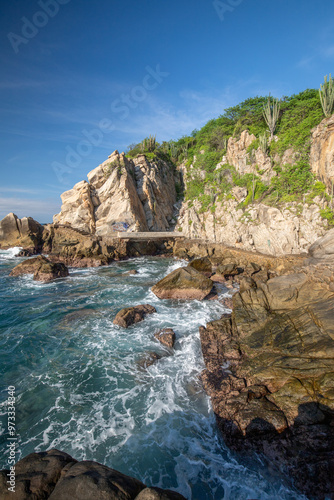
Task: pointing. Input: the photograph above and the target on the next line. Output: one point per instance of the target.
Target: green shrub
(328, 214)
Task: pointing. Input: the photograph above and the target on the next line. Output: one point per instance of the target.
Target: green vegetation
(326, 94)
(328, 214)
(291, 118)
(113, 165)
(271, 114)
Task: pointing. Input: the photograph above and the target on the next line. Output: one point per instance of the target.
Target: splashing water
(81, 388)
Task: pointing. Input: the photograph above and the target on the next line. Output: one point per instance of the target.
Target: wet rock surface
(130, 315)
(166, 336)
(55, 475)
(183, 283)
(269, 373)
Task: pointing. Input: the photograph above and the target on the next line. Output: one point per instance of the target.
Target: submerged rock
(183, 283)
(149, 359)
(130, 315)
(55, 475)
(42, 269)
(166, 336)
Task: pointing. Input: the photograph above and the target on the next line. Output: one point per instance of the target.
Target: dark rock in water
(42, 269)
(26, 252)
(130, 315)
(275, 393)
(227, 302)
(183, 283)
(158, 494)
(202, 265)
(166, 336)
(130, 273)
(55, 475)
(149, 359)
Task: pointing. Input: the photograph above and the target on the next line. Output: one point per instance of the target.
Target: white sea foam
(9, 254)
(86, 393)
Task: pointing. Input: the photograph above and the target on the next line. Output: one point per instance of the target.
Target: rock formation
(25, 232)
(55, 475)
(131, 315)
(269, 372)
(322, 151)
(166, 336)
(183, 283)
(137, 192)
(42, 269)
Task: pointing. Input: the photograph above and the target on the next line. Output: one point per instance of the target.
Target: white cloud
(41, 210)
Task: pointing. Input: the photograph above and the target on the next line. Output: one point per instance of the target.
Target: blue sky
(80, 79)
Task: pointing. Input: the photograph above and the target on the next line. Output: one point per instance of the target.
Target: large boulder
(25, 232)
(42, 269)
(275, 394)
(183, 283)
(55, 475)
(130, 315)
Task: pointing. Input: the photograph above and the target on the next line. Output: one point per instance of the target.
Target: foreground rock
(275, 393)
(183, 283)
(55, 475)
(42, 269)
(166, 336)
(130, 315)
(25, 232)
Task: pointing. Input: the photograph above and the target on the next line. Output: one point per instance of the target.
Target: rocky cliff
(289, 227)
(138, 192)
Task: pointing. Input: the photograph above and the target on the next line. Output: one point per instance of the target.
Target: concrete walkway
(147, 236)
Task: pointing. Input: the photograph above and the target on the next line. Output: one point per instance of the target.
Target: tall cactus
(271, 113)
(263, 142)
(148, 144)
(326, 93)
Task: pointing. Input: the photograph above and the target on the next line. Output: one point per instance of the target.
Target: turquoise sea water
(81, 389)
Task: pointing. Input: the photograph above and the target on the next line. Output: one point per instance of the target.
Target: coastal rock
(36, 475)
(55, 475)
(87, 480)
(77, 208)
(322, 151)
(275, 393)
(42, 269)
(149, 359)
(158, 494)
(183, 283)
(74, 247)
(268, 230)
(202, 265)
(130, 315)
(25, 232)
(138, 192)
(166, 336)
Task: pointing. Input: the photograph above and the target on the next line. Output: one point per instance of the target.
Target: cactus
(263, 140)
(270, 114)
(148, 144)
(326, 93)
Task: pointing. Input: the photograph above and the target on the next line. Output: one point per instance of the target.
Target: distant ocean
(81, 389)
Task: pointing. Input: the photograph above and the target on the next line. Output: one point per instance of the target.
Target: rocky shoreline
(55, 475)
(269, 364)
